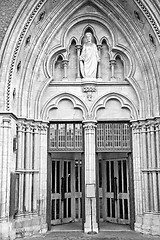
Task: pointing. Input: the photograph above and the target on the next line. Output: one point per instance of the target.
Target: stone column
(112, 64)
(5, 171)
(99, 66)
(137, 174)
(7, 164)
(78, 47)
(90, 178)
(138, 170)
(157, 128)
(36, 168)
(20, 162)
(43, 170)
(65, 64)
(149, 164)
(144, 166)
(154, 166)
(28, 167)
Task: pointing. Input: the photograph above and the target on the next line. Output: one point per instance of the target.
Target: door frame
(48, 210)
(49, 192)
(101, 155)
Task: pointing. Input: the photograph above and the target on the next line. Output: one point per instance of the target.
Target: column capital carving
(6, 122)
(78, 46)
(43, 127)
(157, 124)
(36, 128)
(29, 127)
(21, 126)
(112, 62)
(150, 124)
(99, 46)
(89, 124)
(135, 125)
(65, 61)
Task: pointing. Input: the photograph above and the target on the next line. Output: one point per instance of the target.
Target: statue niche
(58, 71)
(89, 57)
(83, 59)
(105, 61)
(119, 68)
(72, 67)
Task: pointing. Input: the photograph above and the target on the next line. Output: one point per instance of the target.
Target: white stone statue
(89, 57)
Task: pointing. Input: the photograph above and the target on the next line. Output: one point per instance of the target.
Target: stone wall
(8, 9)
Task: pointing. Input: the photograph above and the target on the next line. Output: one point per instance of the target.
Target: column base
(91, 225)
(148, 223)
(7, 231)
(30, 226)
(88, 229)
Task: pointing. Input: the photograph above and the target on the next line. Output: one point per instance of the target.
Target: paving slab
(129, 235)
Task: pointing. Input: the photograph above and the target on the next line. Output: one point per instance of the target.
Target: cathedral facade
(79, 115)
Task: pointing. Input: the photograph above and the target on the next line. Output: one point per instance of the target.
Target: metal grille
(113, 137)
(66, 195)
(65, 136)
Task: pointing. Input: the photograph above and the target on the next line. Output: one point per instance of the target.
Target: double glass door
(66, 191)
(114, 191)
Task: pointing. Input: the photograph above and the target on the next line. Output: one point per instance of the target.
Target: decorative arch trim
(124, 101)
(54, 101)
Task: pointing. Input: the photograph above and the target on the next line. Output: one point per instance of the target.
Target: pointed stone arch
(37, 9)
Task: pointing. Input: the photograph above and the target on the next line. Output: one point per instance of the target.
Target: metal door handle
(62, 188)
(115, 189)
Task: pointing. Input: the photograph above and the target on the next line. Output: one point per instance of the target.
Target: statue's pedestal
(89, 80)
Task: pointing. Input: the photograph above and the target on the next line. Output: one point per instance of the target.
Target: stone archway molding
(124, 101)
(54, 101)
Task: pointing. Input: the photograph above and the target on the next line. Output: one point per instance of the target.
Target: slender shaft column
(150, 166)
(20, 163)
(137, 168)
(43, 169)
(78, 47)
(99, 66)
(158, 154)
(144, 174)
(134, 162)
(140, 165)
(65, 64)
(154, 174)
(90, 178)
(36, 167)
(112, 64)
(157, 129)
(28, 168)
